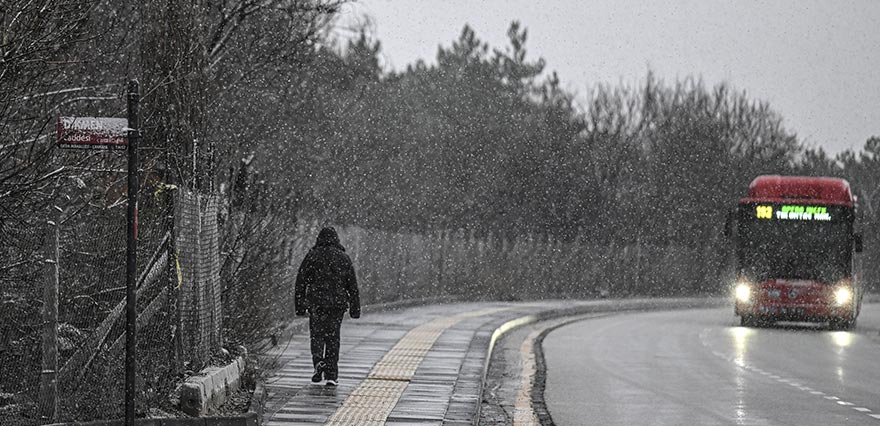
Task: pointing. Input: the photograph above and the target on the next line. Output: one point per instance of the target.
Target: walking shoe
(318, 375)
(331, 382)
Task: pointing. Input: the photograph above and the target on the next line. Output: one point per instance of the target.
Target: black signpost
(131, 269)
(111, 134)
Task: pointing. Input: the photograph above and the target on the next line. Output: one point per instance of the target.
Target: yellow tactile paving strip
(372, 401)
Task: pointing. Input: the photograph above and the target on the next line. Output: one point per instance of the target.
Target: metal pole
(49, 376)
(131, 263)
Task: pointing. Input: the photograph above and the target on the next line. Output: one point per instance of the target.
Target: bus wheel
(746, 321)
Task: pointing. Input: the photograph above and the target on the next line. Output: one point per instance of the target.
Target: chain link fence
(401, 266)
(398, 266)
(197, 261)
(178, 293)
(22, 252)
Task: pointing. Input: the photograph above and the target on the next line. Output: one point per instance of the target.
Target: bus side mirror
(857, 243)
(728, 224)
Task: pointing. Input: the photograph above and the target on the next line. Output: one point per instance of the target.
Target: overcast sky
(816, 62)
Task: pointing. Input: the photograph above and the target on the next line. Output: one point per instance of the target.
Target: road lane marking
(375, 397)
(738, 362)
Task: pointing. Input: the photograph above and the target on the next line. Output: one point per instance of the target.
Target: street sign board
(92, 132)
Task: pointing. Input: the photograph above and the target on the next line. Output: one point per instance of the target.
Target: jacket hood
(328, 238)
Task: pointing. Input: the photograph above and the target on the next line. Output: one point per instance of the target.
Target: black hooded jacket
(326, 277)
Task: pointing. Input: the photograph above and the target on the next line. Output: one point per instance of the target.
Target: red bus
(794, 242)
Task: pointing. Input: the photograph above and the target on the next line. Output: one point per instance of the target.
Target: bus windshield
(795, 249)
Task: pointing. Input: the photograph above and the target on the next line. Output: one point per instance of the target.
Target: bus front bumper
(801, 312)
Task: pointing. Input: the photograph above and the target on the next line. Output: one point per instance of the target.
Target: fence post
(175, 279)
(638, 282)
(49, 374)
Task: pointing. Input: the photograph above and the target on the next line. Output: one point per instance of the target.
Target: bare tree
(35, 39)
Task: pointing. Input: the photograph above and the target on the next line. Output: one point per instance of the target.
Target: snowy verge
(240, 420)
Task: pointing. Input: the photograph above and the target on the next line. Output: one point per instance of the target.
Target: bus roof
(817, 190)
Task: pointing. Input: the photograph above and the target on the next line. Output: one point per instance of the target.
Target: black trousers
(324, 324)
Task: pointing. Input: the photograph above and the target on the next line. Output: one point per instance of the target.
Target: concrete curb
(539, 405)
(205, 392)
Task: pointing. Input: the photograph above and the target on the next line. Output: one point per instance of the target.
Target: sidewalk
(416, 366)
(419, 365)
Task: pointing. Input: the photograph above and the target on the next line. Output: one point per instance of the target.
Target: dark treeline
(479, 140)
(483, 140)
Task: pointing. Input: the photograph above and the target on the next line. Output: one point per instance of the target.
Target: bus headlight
(743, 292)
(842, 295)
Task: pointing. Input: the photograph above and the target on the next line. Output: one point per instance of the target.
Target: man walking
(325, 287)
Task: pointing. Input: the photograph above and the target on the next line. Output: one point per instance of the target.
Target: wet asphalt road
(698, 367)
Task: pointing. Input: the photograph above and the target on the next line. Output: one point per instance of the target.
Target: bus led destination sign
(793, 212)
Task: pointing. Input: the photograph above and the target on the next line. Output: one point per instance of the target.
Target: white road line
(791, 382)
